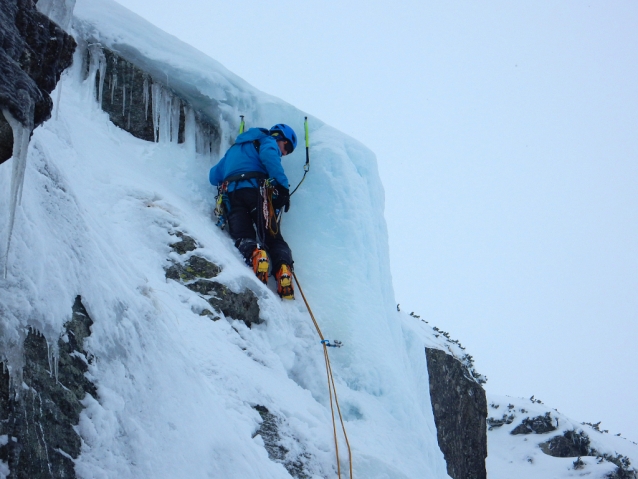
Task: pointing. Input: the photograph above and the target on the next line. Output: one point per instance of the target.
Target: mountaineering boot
(284, 282)
(260, 264)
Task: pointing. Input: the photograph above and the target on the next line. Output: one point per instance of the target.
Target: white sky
(507, 140)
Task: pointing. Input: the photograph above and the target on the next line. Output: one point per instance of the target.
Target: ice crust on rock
(60, 11)
(97, 64)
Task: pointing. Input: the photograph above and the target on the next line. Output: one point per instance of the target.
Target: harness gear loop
(332, 389)
(267, 189)
(222, 205)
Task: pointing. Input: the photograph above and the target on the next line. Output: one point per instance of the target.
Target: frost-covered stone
(536, 425)
(185, 245)
(41, 415)
(33, 54)
(570, 444)
(269, 430)
(196, 272)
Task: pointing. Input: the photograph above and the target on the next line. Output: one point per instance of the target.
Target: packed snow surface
(520, 455)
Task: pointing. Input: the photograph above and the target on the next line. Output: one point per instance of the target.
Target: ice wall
(176, 390)
(60, 11)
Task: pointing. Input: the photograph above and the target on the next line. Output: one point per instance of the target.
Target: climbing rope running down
(332, 390)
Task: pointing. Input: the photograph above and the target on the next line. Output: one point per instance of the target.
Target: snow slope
(177, 390)
(520, 455)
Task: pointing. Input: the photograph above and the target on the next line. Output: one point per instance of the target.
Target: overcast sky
(507, 140)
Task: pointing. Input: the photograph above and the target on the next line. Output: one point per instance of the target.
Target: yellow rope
(332, 389)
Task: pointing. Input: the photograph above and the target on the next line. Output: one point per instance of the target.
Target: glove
(282, 200)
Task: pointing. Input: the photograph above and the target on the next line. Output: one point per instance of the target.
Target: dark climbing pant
(245, 219)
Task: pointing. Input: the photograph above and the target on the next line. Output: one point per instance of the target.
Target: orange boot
(260, 264)
(284, 282)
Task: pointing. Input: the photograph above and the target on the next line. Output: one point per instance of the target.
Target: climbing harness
(332, 390)
(222, 205)
(306, 167)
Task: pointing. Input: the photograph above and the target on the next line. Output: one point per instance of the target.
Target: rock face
(536, 425)
(33, 53)
(269, 430)
(460, 411)
(39, 419)
(144, 105)
(196, 273)
(570, 444)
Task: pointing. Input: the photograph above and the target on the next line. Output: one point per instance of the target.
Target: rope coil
(332, 389)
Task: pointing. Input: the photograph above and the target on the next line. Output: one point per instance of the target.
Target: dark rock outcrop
(493, 422)
(269, 432)
(570, 444)
(536, 425)
(39, 417)
(128, 97)
(196, 273)
(195, 267)
(33, 53)
(241, 306)
(460, 411)
(185, 245)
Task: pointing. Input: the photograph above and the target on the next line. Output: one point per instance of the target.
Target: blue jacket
(243, 157)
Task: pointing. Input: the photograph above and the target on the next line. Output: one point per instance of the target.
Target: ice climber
(253, 185)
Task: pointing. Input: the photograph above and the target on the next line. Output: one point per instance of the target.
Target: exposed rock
(128, 99)
(537, 425)
(186, 245)
(210, 314)
(460, 412)
(196, 267)
(493, 422)
(125, 89)
(39, 418)
(196, 273)
(242, 306)
(34, 51)
(269, 432)
(570, 444)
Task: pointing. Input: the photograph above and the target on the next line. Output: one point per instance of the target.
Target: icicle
(176, 109)
(102, 71)
(145, 97)
(190, 130)
(96, 63)
(156, 102)
(57, 101)
(21, 137)
(114, 78)
(123, 97)
(203, 139)
(165, 117)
